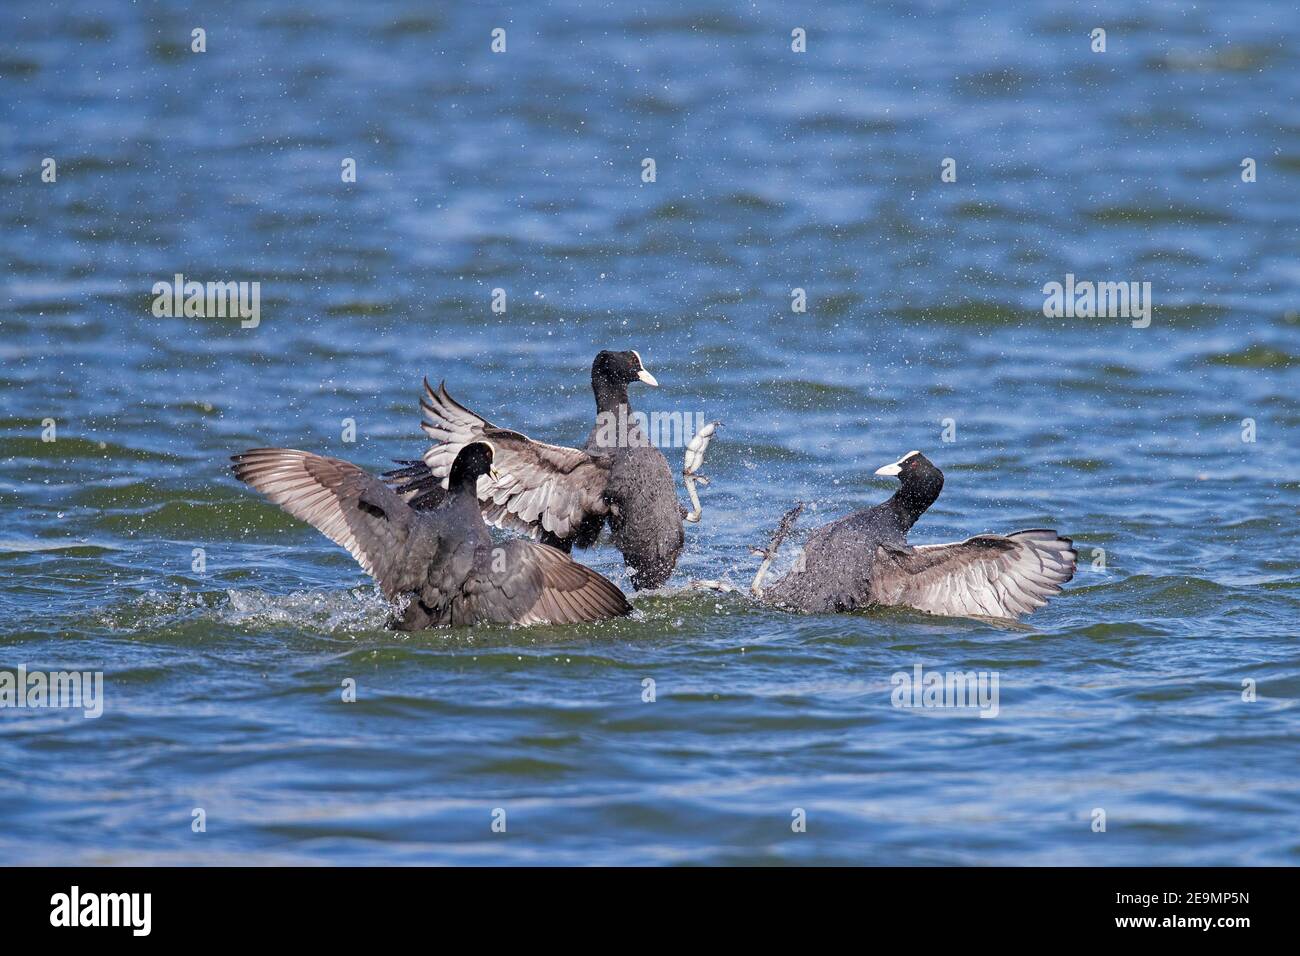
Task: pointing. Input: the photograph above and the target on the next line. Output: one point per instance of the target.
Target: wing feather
(347, 505)
(985, 576)
(538, 584)
(540, 487)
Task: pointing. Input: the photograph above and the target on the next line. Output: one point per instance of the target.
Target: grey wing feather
(537, 584)
(539, 487)
(347, 505)
(988, 575)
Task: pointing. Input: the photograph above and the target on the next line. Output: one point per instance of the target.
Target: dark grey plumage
(864, 559)
(565, 496)
(440, 565)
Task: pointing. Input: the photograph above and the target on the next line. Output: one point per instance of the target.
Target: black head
(473, 462)
(911, 467)
(920, 479)
(619, 368)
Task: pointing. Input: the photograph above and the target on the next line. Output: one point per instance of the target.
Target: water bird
(864, 559)
(439, 566)
(565, 496)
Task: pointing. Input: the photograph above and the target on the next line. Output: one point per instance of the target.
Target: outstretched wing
(531, 583)
(989, 575)
(540, 487)
(347, 505)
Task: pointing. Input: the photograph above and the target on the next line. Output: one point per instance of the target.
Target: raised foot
(768, 554)
(695, 450)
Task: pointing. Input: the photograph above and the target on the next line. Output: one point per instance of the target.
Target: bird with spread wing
(864, 559)
(440, 566)
(564, 496)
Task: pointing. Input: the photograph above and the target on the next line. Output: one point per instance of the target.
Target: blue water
(775, 171)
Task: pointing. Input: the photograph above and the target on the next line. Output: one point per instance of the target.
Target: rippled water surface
(775, 171)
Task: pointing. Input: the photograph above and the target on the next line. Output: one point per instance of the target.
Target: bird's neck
(913, 500)
(462, 493)
(610, 395)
